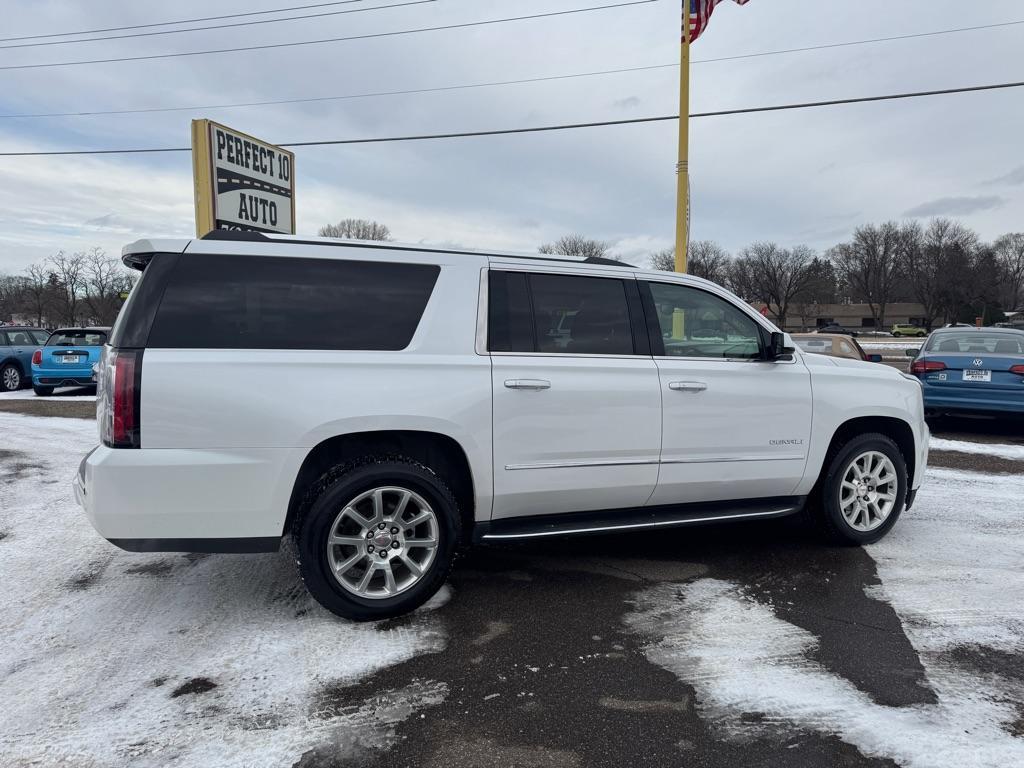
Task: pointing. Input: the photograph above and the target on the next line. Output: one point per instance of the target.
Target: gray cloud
(1013, 178)
(956, 206)
(630, 102)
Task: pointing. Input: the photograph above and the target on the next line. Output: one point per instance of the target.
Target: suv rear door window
(565, 314)
(77, 339)
(267, 302)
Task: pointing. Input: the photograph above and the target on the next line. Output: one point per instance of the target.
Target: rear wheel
(376, 538)
(43, 391)
(10, 378)
(863, 491)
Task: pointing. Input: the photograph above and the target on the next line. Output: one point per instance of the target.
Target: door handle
(527, 384)
(687, 386)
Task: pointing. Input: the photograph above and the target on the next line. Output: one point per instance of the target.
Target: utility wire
(437, 89)
(365, 95)
(250, 23)
(180, 21)
(369, 36)
(561, 127)
(859, 42)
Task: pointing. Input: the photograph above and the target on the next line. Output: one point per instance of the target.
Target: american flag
(700, 15)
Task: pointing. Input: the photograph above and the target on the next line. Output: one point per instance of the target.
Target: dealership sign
(241, 182)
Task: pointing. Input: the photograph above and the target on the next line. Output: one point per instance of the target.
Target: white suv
(383, 403)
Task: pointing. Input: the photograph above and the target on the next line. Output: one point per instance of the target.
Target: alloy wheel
(868, 491)
(382, 542)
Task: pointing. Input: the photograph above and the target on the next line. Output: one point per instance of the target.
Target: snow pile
(110, 657)
(1001, 450)
(952, 571)
(59, 394)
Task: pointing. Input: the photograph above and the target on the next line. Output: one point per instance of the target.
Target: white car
(383, 403)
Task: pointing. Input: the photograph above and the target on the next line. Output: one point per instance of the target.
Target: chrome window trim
(643, 462)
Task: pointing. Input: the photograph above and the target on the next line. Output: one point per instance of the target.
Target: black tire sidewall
(315, 526)
(835, 522)
(43, 391)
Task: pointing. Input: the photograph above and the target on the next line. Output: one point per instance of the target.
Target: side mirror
(912, 352)
(874, 358)
(777, 349)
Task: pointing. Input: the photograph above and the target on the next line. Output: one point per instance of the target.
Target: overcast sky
(807, 176)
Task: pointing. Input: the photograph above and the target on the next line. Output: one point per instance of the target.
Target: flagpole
(682, 168)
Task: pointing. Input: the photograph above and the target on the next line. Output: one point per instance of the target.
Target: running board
(626, 520)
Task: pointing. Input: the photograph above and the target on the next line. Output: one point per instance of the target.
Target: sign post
(241, 182)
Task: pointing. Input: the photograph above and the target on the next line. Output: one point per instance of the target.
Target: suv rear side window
(267, 302)
(566, 314)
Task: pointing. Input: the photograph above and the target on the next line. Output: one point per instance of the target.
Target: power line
(369, 36)
(250, 23)
(437, 89)
(180, 21)
(859, 42)
(366, 95)
(561, 127)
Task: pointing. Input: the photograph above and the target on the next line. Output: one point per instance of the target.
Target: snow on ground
(63, 393)
(110, 657)
(952, 571)
(1002, 450)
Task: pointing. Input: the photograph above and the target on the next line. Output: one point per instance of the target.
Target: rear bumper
(74, 376)
(175, 500)
(998, 401)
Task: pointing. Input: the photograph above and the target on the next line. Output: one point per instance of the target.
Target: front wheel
(896, 334)
(377, 537)
(863, 491)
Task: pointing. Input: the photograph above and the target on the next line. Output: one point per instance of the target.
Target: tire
(827, 507)
(896, 334)
(11, 378)
(43, 391)
(325, 511)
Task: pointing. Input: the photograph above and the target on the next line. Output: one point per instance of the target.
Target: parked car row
(43, 360)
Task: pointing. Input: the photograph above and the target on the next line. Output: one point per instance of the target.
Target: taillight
(37, 357)
(926, 366)
(122, 398)
(1018, 369)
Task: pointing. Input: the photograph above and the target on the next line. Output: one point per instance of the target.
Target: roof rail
(237, 235)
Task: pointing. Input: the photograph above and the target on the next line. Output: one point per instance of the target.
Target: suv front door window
(735, 425)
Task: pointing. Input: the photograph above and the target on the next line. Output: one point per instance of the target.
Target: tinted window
(3, 340)
(581, 315)
(695, 323)
(510, 320)
(77, 339)
(40, 336)
(244, 302)
(976, 342)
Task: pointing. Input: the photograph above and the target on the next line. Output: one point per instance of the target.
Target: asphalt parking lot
(744, 645)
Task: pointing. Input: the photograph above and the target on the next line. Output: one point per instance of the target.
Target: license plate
(974, 375)
(70, 359)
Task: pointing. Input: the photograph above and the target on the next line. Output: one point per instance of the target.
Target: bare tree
(772, 275)
(664, 260)
(68, 280)
(707, 259)
(356, 229)
(870, 265)
(38, 295)
(929, 257)
(578, 245)
(104, 282)
(1009, 253)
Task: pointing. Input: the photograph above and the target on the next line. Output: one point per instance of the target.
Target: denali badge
(785, 442)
